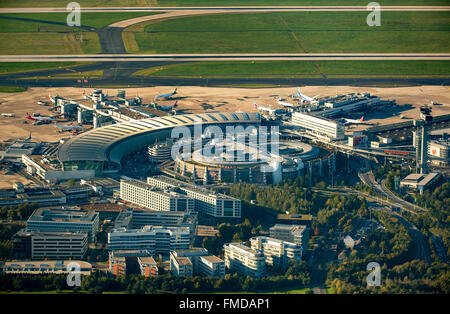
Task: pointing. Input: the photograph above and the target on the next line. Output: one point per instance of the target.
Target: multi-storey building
(211, 266)
(244, 260)
(146, 195)
(155, 239)
(61, 220)
(206, 201)
(49, 245)
(181, 266)
(47, 267)
(277, 252)
(148, 266)
(318, 126)
(298, 234)
(203, 263)
(117, 264)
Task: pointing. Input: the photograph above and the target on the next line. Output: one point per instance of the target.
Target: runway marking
(227, 57)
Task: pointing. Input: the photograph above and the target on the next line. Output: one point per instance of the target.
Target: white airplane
(168, 107)
(8, 115)
(166, 96)
(42, 103)
(68, 127)
(284, 104)
(39, 120)
(354, 121)
(304, 97)
(265, 109)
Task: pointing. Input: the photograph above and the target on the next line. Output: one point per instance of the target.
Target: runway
(226, 57)
(240, 8)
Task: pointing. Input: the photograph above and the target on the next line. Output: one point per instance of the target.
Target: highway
(226, 57)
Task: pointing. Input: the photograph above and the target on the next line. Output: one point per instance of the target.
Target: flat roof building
(155, 239)
(46, 267)
(148, 266)
(420, 181)
(61, 220)
(181, 266)
(206, 201)
(244, 260)
(277, 252)
(148, 196)
(297, 234)
(318, 126)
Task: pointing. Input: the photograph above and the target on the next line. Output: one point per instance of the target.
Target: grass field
(300, 69)
(15, 67)
(12, 89)
(342, 32)
(146, 3)
(47, 33)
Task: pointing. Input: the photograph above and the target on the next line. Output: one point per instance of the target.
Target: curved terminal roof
(96, 144)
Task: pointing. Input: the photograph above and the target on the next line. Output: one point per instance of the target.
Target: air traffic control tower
(421, 138)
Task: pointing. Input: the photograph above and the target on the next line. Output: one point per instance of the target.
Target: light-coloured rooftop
(96, 144)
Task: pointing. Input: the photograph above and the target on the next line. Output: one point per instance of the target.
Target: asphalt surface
(238, 8)
(111, 42)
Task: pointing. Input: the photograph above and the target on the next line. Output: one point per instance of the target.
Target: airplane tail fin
(299, 93)
(175, 91)
(362, 119)
(256, 106)
(175, 104)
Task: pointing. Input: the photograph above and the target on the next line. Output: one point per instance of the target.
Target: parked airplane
(284, 104)
(265, 109)
(42, 103)
(354, 121)
(166, 96)
(68, 127)
(8, 115)
(39, 120)
(304, 97)
(168, 107)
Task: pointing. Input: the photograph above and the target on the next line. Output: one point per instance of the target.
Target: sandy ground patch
(194, 99)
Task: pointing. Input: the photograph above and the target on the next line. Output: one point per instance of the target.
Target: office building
(143, 194)
(136, 219)
(211, 266)
(117, 265)
(58, 245)
(181, 266)
(244, 260)
(318, 126)
(155, 239)
(297, 234)
(206, 202)
(148, 266)
(277, 252)
(62, 220)
(46, 267)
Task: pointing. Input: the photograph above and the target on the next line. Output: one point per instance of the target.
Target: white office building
(298, 234)
(155, 239)
(143, 194)
(277, 252)
(62, 220)
(244, 260)
(206, 201)
(319, 127)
